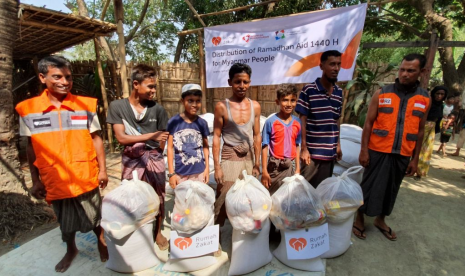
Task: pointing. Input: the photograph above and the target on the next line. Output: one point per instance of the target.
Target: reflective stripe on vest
(65, 153)
(395, 129)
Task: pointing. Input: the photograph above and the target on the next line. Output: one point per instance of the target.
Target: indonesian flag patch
(79, 120)
(420, 104)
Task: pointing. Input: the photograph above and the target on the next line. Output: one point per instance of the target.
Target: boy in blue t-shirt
(281, 138)
(187, 141)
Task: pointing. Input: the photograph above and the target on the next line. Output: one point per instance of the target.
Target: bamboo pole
(59, 28)
(433, 48)
(195, 12)
(119, 15)
(202, 73)
(104, 11)
(104, 93)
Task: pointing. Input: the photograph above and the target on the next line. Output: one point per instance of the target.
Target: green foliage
(365, 84)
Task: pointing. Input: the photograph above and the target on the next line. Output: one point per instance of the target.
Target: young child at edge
(447, 131)
(281, 138)
(187, 140)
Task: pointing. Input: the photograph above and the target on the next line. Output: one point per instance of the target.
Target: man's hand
(38, 190)
(364, 158)
(102, 179)
(305, 156)
(174, 181)
(219, 176)
(256, 171)
(266, 180)
(160, 136)
(338, 152)
(412, 168)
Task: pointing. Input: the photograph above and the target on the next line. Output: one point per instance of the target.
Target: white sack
(250, 251)
(341, 196)
(193, 206)
(350, 153)
(248, 204)
(339, 237)
(262, 122)
(296, 205)
(191, 264)
(128, 207)
(351, 132)
(339, 170)
(209, 117)
(134, 252)
(314, 264)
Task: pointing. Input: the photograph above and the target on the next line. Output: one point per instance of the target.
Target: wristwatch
(171, 174)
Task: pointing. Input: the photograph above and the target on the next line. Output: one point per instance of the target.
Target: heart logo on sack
(183, 243)
(216, 40)
(298, 244)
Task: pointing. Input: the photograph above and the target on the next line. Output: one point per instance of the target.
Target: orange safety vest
(395, 129)
(65, 153)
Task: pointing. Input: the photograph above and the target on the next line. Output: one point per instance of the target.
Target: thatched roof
(42, 31)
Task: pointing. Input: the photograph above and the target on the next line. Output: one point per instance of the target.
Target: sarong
(150, 168)
(381, 182)
(426, 148)
(81, 213)
(233, 161)
(317, 171)
(278, 169)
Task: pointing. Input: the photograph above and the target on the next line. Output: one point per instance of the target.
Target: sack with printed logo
(296, 205)
(313, 264)
(193, 206)
(248, 204)
(341, 196)
(128, 213)
(192, 264)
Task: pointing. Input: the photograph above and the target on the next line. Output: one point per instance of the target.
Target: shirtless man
(237, 119)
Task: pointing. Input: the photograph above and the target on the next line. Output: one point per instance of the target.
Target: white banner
(285, 49)
(204, 242)
(307, 243)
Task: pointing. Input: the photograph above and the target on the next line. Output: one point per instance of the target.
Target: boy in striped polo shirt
(319, 107)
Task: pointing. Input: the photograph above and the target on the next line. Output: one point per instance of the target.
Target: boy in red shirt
(281, 137)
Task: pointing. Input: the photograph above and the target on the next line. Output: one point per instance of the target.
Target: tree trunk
(454, 78)
(12, 177)
(181, 40)
(119, 16)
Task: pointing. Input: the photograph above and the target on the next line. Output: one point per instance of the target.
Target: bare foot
(455, 154)
(102, 249)
(65, 263)
(162, 242)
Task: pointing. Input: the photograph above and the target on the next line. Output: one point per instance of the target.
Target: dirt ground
(428, 219)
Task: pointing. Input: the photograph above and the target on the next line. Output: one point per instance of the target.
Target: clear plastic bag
(248, 204)
(128, 207)
(296, 205)
(193, 206)
(341, 196)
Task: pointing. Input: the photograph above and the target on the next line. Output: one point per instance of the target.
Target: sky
(57, 5)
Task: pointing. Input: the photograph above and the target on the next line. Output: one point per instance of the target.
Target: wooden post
(202, 73)
(119, 15)
(104, 93)
(433, 48)
(35, 64)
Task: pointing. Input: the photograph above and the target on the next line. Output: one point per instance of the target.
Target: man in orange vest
(65, 154)
(391, 143)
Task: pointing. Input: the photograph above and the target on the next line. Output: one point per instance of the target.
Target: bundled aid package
(296, 205)
(128, 213)
(193, 206)
(248, 204)
(341, 196)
